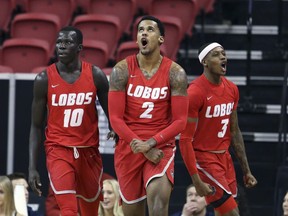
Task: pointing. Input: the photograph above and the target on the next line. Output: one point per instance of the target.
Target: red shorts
(134, 171)
(69, 174)
(218, 171)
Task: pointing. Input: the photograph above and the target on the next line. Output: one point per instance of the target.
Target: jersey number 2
(148, 106)
(73, 118)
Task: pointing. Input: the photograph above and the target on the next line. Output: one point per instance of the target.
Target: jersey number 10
(73, 118)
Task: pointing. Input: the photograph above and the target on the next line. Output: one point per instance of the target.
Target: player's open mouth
(144, 42)
(223, 65)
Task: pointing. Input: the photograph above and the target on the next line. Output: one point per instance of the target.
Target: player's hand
(34, 182)
(112, 135)
(139, 146)
(154, 155)
(249, 180)
(202, 188)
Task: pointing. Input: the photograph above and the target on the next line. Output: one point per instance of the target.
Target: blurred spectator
(110, 204)
(18, 178)
(285, 205)
(195, 205)
(7, 207)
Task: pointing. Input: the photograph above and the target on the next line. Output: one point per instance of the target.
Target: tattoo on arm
(119, 77)
(237, 143)
(178, 80)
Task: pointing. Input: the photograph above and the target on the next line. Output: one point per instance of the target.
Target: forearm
(186, 148)
(179, 110)
(104, 106)
(188, 156)
(34, 146)
(116, 101)
(237, 143)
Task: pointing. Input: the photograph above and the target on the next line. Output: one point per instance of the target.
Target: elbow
(181, 124)
(115, 123)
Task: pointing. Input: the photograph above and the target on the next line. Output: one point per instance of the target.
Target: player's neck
(149, 63)
(213, 78)
(69, 67)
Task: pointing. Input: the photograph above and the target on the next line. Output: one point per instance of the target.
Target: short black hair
(159, 23)
(79, 34)
(16, 175)
(203, 47)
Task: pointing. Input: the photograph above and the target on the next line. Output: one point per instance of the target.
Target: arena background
(254, 34)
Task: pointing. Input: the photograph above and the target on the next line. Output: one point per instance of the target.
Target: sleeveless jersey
(148, 101)
(72, 115)
(212, 105)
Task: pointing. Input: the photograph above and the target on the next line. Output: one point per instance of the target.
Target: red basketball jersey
(72, 115)
(148, 101)
(212, 105)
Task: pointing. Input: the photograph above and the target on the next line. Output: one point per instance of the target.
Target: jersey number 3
(222, 133)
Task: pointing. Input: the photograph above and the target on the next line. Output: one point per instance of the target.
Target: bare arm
(101, 82)
(119, 77)
(38, 112)
(237, 143)
(178, 80)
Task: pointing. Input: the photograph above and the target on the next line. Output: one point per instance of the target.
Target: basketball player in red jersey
(148, 107)
(213, 126)
(66, 91)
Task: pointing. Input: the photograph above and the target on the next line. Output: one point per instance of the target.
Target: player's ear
(161, 39)
(80, 47)
(204, 62)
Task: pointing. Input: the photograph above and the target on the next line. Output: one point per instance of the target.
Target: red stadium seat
(185, 10)
(129, 48)
(125, 49)
(62, 8)
(36, 25)
(22, 55)
(95, 52)
(5, 69)
(143, 6)
(6, 9)
(83, 4)
(206, 5)
(172, 37)
(39, 69)
(107, 70)
(123, 9)
(100, 27)
(21, 3)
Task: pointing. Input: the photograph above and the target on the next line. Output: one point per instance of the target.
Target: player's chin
(222, 73)
(144, 52)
